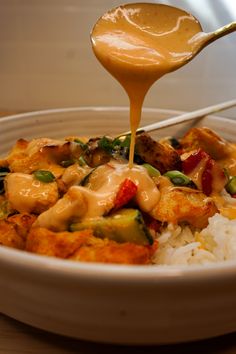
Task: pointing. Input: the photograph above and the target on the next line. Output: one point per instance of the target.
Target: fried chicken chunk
(42, 153)
(14, 229)
(181, 204)
(95, 155)
(28, 195)
(207, 140)
(161, 156)
(83, 246)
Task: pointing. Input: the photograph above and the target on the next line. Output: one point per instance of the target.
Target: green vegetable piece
(231, 185)
(106, 144)
(84, 182)
(44, 176)
(126, 225)
(116, 142)
(81, 143)
(126, 142)
(178, 178)
(82, 161)
(152, 171)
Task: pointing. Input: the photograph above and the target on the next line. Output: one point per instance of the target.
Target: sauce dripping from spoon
(139, 43)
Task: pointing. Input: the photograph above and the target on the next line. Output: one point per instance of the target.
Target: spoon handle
(213, 36)
(189, 116)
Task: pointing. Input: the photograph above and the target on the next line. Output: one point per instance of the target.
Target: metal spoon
(168, 33)
(187, 116)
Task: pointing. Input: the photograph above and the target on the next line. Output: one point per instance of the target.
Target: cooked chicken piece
(22, 223)
(229, 163)
(67, 209)
(107, 251)
(13, 230)
(9, 236)
(181, 204)
(74, 174)
(94, 155)
(161, 156)
(29, 195)
(17, 152)
(41, 154)
(77, 203)
(208, 141)
(83, 246)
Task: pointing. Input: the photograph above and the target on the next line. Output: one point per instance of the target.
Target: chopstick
(187, 116)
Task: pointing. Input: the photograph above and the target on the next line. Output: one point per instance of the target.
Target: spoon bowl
(146, 37)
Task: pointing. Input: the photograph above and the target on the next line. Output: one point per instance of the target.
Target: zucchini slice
(126, 225)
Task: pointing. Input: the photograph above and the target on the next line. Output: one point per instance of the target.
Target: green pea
(44, 176)
(178, 178)
(152, 171)
(231, 186)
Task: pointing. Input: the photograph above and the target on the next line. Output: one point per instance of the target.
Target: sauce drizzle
(138, 44)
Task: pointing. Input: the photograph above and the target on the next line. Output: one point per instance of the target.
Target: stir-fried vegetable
(152, 171)
(231, 186)
(81, 143)
(178, 178)
(44, 176)
(126, 192)
(126, 225)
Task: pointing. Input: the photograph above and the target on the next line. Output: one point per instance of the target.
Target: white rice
(215, 243)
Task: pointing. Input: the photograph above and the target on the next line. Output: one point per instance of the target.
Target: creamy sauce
(28, 195)
(82, 203)
(147, 194)
(138, 44)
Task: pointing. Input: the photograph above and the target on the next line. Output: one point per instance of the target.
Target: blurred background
(46, 60)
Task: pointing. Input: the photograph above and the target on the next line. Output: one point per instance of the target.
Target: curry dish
(78, 199)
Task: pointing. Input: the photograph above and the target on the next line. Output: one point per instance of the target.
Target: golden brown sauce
(138, 44)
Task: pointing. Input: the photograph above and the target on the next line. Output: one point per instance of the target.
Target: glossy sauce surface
(139, 43)
(82, 202)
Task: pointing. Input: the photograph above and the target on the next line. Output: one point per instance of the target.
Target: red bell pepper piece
(126, 192)
(209, 176)
(193, 160)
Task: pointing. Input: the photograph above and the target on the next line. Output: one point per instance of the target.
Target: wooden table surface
(18, 338)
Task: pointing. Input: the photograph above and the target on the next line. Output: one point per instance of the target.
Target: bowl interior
(94, 121)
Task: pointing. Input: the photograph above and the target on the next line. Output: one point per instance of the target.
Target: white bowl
(111, 303)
